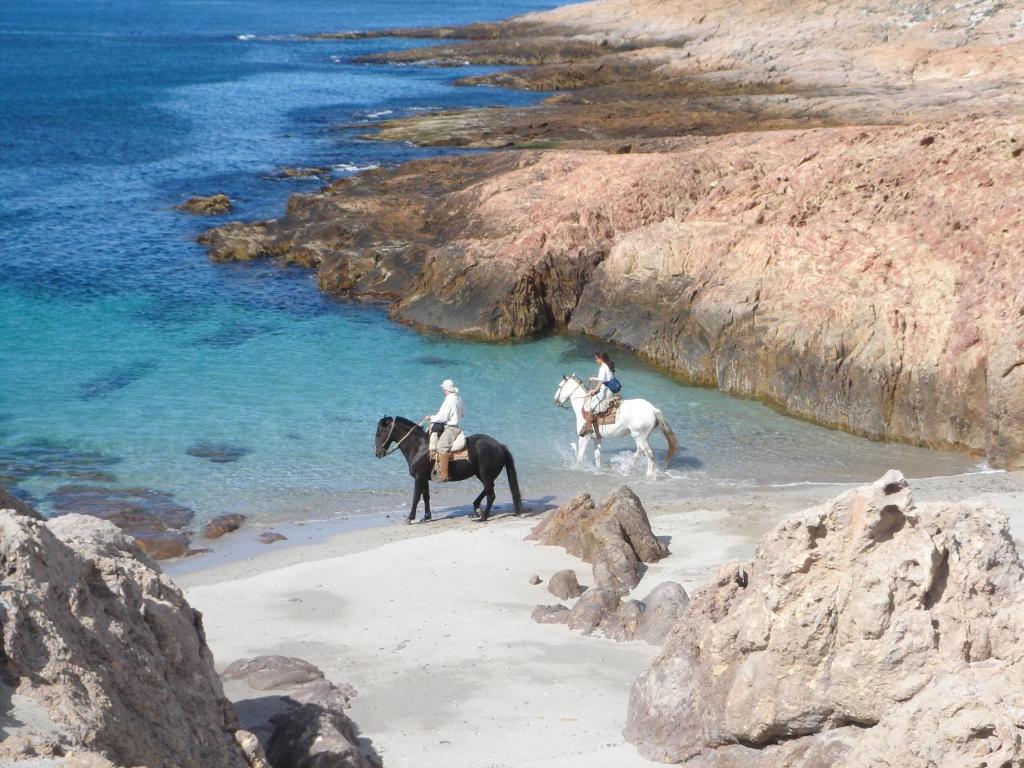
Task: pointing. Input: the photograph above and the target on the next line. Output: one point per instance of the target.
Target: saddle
(608, 416)
(462, 455)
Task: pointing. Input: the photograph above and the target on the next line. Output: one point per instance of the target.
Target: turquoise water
(123, 348)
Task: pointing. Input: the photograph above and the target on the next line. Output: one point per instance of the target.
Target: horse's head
(385, 434)
(566, 387)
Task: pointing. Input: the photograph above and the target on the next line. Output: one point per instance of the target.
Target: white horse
(635, 417)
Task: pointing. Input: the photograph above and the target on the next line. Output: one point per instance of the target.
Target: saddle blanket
(609, 415)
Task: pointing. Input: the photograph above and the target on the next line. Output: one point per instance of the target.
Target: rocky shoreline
(805, 218)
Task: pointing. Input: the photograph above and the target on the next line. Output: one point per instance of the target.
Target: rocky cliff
(865, 632)
(857, 276)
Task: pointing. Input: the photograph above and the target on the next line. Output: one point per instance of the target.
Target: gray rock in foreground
(865, 632)
(304, 725)
(106, 648)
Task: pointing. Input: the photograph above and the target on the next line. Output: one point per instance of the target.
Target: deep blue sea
(122, 348)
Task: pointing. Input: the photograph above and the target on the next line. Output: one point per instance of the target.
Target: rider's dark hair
(603, 357)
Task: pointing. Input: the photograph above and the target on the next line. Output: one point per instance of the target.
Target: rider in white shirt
(599, 395)
(444, 427)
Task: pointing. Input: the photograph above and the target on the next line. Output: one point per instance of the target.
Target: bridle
(566, 399)
(392, 449)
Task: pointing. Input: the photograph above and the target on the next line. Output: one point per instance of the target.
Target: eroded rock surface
(106, 648)
(304, 725)
(615, 537)
(865, 632)
(708, 204)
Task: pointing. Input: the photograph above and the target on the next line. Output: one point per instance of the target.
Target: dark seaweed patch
(47, 458)
(218, 453)
(114, 380)
(231, 336)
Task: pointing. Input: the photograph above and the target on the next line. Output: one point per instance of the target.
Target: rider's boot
(442, 467)
(585, 429)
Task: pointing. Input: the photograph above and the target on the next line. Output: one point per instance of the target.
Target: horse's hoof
(426, 519)
(409, 521)
(479, 519)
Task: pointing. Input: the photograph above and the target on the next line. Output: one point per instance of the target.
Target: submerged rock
(868, 631)
(107, 647)
(298, 172)
(218, 453)
(269, 537)
(151, 517)
(212, 205)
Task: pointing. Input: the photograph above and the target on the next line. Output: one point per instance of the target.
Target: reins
(566, 403)
(394, 448)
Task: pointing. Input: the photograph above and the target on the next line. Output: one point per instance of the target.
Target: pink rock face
(856, 625)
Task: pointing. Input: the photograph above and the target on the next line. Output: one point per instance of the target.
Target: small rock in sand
(564, 585)
(550, 614)
(223, 524)
(269, 537)
(535, 579)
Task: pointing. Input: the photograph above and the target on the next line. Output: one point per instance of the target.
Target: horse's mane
(401, 421)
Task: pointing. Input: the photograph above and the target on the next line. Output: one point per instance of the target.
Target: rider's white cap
(449, 386)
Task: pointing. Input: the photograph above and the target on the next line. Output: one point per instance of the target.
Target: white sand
(431, 623)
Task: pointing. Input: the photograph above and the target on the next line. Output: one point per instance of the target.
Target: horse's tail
(513, 481)
(670, 436)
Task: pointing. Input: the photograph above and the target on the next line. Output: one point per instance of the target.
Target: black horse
(487, 457)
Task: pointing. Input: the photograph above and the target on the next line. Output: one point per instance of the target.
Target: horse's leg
(645, 446)
(426, 500)
(489, 491)
(476, 502)
(417, 491)
(597, 453)
(581, 449)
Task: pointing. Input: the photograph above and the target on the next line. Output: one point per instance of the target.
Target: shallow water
(129, 359)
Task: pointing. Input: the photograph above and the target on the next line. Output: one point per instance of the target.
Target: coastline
(431, 623)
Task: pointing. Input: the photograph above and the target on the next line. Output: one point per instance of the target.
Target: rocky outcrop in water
(211, 205)
(854, 276)
(102, 653)
(866, 632)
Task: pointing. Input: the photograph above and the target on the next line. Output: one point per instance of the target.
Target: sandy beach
(431, 624)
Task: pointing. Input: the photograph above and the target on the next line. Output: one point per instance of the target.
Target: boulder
(211, 205)
(102, 643)
(591, 609)
(269, 537)
(660, 610)
(564, 585)
(615, 537)
(868, 631)
(223, 524)
(315, 737)
(305, 726)
(269, 673)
